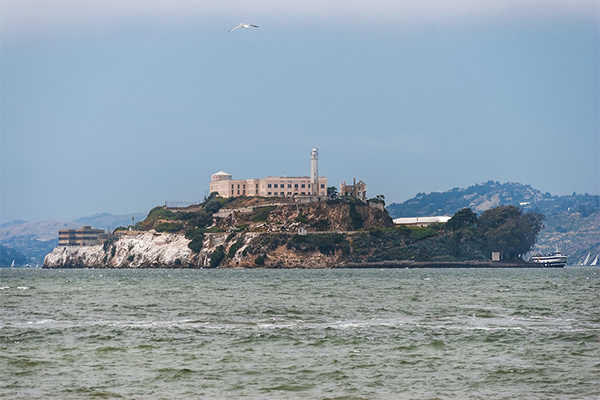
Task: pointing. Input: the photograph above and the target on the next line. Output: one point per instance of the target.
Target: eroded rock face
(169, 250)
(148, 249)
(272, 242)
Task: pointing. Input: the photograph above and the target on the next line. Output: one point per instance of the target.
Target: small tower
(314, 172)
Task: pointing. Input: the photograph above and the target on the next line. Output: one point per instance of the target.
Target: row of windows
(280, 193)
(244, 186)
(278, 185)
(289, 185)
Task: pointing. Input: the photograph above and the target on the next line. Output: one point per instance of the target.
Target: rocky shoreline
(437, 264)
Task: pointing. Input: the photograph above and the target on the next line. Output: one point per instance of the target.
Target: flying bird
(243, 26)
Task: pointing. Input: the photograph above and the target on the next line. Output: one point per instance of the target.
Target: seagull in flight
(243, 26)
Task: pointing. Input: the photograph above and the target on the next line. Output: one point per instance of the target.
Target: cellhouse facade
(224, 185)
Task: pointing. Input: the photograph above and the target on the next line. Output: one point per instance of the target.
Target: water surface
(300, 334)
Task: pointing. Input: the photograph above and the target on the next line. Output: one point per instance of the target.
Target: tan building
(358, 190)
(272, 186)
(85, 236)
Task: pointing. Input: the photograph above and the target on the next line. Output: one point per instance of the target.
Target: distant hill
(11, 223)
(572, 222)
(8, 255)
(28, 242)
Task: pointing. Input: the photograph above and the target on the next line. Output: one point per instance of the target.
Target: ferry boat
(556, 260)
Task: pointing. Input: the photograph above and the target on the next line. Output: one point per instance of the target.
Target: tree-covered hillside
(571, 224)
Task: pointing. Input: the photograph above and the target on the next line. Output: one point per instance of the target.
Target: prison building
(272, 186)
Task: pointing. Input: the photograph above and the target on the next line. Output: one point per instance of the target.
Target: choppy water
(300, 334)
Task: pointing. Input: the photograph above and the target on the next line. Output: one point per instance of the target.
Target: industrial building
(84, 236)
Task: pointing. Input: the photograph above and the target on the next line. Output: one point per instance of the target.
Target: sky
(119, 106)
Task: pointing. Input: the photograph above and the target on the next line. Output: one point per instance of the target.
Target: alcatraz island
(299, 222)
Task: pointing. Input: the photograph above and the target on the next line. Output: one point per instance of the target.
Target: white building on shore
(421, 221)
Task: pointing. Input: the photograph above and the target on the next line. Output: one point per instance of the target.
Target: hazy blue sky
(118, 106)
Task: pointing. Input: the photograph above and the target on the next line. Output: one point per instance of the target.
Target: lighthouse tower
(314, 172)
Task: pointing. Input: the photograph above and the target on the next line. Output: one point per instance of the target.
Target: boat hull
(554, 260)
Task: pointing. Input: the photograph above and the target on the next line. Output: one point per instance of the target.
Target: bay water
(300, 334)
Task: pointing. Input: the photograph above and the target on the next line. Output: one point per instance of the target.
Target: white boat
(555, 259)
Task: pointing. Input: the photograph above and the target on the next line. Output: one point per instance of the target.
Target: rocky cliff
(233, 234)
(225, 250)
(127, 250)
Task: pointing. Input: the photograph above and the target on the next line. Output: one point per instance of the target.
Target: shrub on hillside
(417, 233)
(260, 260)
(355, 217)
(169, 227)
(160, 213)
(301, 218)
(217, 256)
(261, 214)
(235, 247)
(326, 243)
(322, 225)
(197, 239)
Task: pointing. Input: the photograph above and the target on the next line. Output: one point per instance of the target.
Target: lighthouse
(314, 172)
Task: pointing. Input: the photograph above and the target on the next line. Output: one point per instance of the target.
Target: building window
(303, 186)
(289, 185)
(296, 186)
(275, 186)
(322, 186)
(269, 193)
(269, 186)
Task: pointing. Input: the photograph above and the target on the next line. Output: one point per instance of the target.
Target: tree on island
(508, 230)
(464, 218)
(332, 192)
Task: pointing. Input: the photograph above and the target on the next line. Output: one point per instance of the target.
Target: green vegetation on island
(344, 229)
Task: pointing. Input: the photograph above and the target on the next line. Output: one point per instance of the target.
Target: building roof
(425, 220)
(221, 173)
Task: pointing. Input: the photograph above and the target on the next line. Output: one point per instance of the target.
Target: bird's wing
(235, 27)
(255, 26)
